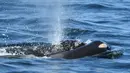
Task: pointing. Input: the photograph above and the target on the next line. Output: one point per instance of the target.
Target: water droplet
(4, 34)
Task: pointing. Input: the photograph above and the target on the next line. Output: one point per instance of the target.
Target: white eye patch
(103, 45)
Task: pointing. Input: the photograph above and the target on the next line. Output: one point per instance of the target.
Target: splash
(58, 32)
(3, 52)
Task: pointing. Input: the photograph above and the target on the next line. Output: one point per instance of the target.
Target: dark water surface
(31, 20)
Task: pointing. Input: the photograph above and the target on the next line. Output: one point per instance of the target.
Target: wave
(97, 6)
(10, 19)
(77, 32)
(87, 6)
(7, 66)
(118, 43)
(77, 22)
(23, 72)
(76, 27)
(15, 3)
(24, 44)
(105, 34)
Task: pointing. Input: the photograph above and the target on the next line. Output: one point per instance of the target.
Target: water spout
(56, 24)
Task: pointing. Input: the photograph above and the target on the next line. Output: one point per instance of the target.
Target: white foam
(4, 53)
(46, 57)
(32, 56)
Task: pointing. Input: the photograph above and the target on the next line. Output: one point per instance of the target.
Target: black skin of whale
(86, 50)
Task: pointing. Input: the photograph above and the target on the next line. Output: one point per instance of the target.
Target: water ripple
(86, 6)
(23, 72)
(73, 31)
(27, 21)
(97, 6)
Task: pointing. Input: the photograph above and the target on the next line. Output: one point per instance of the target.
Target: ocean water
(34, 21)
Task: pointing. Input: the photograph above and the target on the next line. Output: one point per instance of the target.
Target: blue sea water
(31, 21)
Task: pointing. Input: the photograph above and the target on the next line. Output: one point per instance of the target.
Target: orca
(67, 49)
(94, 48)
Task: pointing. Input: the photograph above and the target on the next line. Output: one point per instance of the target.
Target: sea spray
(51, 14)
(57, 26)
